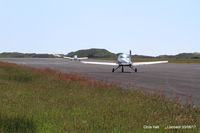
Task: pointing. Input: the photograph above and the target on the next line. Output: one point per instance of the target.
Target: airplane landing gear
(114, 69)
(122, 69)
(135, 69)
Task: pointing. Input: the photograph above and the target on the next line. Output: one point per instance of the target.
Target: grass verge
(43, 100)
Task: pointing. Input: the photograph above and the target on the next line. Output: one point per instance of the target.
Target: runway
(174, 80)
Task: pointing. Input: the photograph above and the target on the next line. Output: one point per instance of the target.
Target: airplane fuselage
(75, 57)
(124, 60)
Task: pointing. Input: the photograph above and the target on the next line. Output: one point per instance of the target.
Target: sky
(147, 27)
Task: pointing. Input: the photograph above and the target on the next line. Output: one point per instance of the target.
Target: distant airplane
(76, 58)
(125, 60)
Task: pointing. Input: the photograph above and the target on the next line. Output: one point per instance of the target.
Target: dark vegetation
(25, 55)
(93, 53)
(106, 55)
(103, 53)
(44, 100)
(181, 56)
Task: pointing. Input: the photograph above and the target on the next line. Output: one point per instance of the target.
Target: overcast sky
(147, 27)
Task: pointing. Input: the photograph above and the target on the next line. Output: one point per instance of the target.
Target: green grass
(36, 100)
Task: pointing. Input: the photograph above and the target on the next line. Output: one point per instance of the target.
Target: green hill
(25, 55)
(103, 53)
(143, 56)
(97, 53)
(93, 53)
(181, 56)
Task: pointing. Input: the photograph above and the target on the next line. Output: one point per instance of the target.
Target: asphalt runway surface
(173, 80)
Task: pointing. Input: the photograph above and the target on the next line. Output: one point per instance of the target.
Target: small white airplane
(124, 60)
(76, 58)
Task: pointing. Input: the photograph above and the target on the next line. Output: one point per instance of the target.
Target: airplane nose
(124, 61)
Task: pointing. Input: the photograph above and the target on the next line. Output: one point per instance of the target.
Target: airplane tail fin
(130, 52)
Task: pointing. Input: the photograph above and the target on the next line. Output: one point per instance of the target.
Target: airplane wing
(116, 64)
(148, 63)
(100, 63)
(83, 58)
(68, 58)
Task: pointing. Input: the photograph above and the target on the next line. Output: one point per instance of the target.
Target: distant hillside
(96, 53)
(25, 55)
(181, 56)
(103, 53)
(143, 56)
(93, 53)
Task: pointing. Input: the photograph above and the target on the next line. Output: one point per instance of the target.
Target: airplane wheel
(135, 69)
(113, 70)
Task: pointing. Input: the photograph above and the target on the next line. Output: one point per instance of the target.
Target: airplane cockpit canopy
(124, 56)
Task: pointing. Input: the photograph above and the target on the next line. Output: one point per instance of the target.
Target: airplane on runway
(124, 60)
(75, 58)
